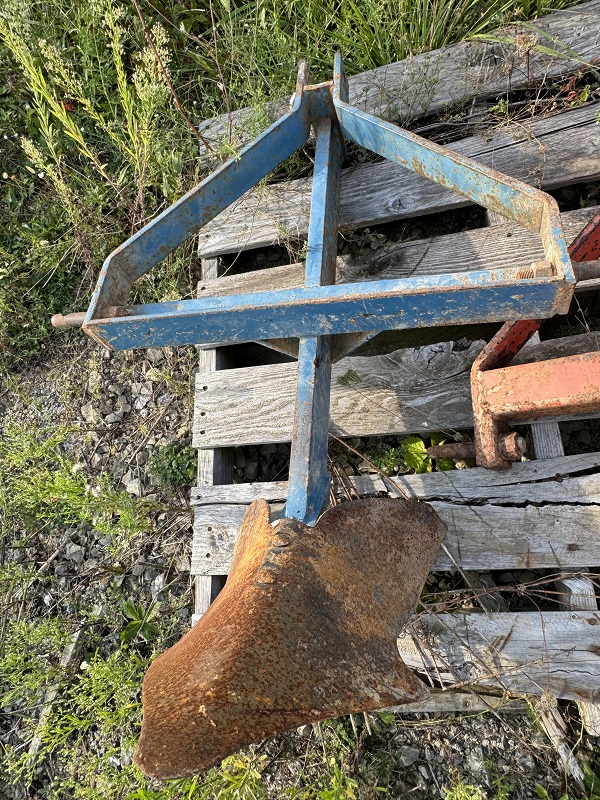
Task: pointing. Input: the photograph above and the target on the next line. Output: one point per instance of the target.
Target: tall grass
(94, 145)
(259, 43)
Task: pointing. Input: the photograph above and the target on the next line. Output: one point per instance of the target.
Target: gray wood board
(427, 83)
(214, 466)
(452, 702)
(545, 481)
(479, 537)
(481, 248)
(524, 652)
(547, 152)
(407, 391)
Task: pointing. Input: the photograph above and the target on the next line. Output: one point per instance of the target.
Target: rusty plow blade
(304, 630)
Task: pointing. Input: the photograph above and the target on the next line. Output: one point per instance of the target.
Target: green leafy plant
(41, 485)
(412, 453)
(29, 659)
(140, 622)
(459, 790)
(503, 788)
(173, 465)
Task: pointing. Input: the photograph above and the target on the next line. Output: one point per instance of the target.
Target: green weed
(460, 790)
(591, 782)
(29, 659)
(41, 485)
(173, 465)
(411, 454)
(140, 622)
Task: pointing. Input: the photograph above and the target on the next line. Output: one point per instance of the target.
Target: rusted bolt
(453, 450)
(512, 446)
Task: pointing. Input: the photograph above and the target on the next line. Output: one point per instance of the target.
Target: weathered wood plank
(407, 391)
(526, 652)
(453, 702)
(531, 537)
(425, 84)
(215, 466)
(482, 248)
(547, 152)
(578, 593)
(462, 486)
(583, 490)
(555, 727)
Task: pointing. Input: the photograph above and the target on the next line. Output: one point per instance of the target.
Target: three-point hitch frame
(330, 320)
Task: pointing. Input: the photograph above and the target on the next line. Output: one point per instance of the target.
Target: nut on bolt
(512, 446)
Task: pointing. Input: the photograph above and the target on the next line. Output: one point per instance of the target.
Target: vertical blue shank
(309, 478)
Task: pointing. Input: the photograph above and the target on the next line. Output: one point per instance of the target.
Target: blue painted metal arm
(309, 478)
(451, 299)
(185, 217)
(508, 196)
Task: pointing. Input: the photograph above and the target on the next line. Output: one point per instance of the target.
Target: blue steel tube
(309, 478)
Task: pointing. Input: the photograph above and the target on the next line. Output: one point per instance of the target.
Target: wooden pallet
(542, 514)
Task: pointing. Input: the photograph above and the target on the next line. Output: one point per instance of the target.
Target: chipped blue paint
(319, 309)
(309, 478)
(451, 299)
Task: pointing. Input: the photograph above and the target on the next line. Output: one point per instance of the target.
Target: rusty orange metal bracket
(502, 394)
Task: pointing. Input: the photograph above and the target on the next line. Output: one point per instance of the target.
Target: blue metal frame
(321, 310)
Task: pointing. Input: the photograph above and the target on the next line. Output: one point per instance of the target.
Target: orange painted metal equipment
(586, 247)
(304, 629)
(504, 394)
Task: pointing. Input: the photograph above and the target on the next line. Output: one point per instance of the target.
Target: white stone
(90, 413)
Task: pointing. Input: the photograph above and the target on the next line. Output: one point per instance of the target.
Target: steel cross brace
(329, 318)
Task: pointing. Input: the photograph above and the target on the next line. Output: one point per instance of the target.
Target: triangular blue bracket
(330, 319)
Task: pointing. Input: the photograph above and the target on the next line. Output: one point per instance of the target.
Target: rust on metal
(512, 447)
(304, 630)
(559, 386)
(501, 394)
(586, 246)
(77, 318)
(73, 320)
(492, 444)
(452, 450)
